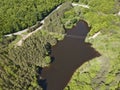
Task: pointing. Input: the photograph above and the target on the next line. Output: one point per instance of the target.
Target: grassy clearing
(105, 69)
(102, 73)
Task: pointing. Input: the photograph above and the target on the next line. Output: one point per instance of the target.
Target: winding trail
(95, 35)
(19, 43)
(119, 13)
(24, 37)
(81, 5)
(42, 22)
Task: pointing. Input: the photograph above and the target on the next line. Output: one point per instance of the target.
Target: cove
(69, 54)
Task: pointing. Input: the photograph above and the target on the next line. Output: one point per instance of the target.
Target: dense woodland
(20, 66)
(16, 15)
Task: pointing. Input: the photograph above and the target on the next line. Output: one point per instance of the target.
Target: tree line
(16, 15)
(20, 65)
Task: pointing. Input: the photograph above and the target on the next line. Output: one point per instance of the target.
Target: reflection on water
(69, 54)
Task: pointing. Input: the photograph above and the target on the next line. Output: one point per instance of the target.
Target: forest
(16, 15)
(20, 66)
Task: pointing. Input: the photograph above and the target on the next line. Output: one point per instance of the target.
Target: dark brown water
(69, 54)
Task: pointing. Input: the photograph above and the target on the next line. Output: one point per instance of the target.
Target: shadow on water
(68, 54)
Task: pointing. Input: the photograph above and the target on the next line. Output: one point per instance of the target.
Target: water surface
(69, 55)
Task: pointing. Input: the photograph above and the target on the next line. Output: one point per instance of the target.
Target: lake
(69, 54)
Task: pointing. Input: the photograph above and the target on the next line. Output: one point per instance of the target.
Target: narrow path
(19, 43)
(42, 22)
(119, 13)
(24, 37)
(82, 5)
(95, 35)
(25, 30)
